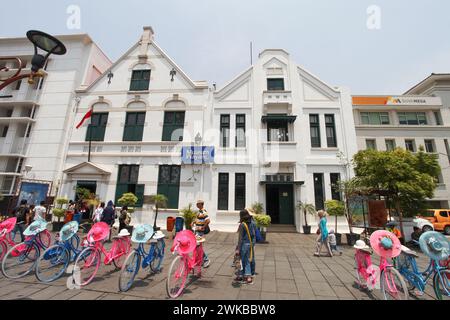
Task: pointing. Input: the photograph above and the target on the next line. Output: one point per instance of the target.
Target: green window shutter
(140, 195)
(140, 80)
(121, 188)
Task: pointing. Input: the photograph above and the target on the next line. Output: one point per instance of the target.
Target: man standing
(40, 211)
(21, 214)
(201, 227)
(109, 216)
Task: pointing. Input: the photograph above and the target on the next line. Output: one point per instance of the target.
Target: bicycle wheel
(441, 284)
(119, 251)
(158, 256)
(52, 264)
(393, 285)
(129, 271)
(3, 249)
(86, 266)
(20, 260)
(176, 279)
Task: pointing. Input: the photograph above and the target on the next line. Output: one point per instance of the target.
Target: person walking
(201, 227)
(124, 219)
(40, 212)
(333, 243)
(20, 213)
(97, 217)
(109, 216)
(322, 233)
(245, 248)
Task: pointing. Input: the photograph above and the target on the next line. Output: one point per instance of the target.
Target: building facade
(409, 122)
(34, 118)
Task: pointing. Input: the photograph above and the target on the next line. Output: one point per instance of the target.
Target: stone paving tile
(286, 286)
(87, 295)
(48, 293)
(322, 289)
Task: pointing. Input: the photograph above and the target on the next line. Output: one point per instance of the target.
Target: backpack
(21, 214)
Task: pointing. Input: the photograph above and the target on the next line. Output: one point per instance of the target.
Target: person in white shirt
(332, 241)
(98, 213)
(40, 212)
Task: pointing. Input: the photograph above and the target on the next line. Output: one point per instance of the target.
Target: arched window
(140, 78)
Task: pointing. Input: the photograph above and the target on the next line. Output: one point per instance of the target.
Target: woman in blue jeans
(246, 247)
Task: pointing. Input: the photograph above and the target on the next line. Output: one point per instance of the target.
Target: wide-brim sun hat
(98, 232)
(200, 202)
(361, 245)
(142, 233)
(250, 211)
(385, 244)
(68, 230)
(435, 245)
(124, 233)
(35, 228)
(186, 242)
(8, 225)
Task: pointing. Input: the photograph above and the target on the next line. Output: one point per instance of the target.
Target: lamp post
(45, 42)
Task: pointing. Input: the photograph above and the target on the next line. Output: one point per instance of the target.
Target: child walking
(333, 243)
(246, 247)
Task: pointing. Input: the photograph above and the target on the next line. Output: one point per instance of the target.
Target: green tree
(408, 178)
(335, 208)
(306, 208)
(159, 201)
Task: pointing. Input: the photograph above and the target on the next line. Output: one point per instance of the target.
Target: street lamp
(45, 42)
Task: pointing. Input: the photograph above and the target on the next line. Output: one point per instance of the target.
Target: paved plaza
(286, 269)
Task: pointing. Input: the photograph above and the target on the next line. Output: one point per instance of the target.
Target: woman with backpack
(246, 247)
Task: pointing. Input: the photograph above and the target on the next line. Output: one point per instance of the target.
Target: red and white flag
(88, 115)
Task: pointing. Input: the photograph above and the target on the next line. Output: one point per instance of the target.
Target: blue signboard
(197, 155)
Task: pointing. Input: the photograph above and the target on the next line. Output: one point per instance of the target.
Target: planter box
(338, 239)
(352, 238)
(56, 226)
(307, 229)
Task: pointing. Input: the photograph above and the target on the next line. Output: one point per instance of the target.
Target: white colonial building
(409, 122)
(34, 119)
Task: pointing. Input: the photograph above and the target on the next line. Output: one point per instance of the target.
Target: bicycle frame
(123, 244)
(74, 252)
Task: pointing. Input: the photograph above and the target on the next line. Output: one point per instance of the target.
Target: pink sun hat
(186, 242)
(8, 225)
(385, 244)
(98, 232)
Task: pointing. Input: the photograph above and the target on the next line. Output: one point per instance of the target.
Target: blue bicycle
(53, 263)
(21, 259)
(417, 280)
(151, 260)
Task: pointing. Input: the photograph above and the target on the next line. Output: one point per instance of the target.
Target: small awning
(297, 183)
(278, 117)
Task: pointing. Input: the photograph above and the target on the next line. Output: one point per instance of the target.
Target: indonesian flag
(88, 115)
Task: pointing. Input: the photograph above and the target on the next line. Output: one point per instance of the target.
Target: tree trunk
(335, 224)
(400, 217)
(349, 220)
(306, 220)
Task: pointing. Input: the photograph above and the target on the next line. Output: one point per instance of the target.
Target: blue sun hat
(69, 230)
(142, 233)
(435, 245)
(35, 228)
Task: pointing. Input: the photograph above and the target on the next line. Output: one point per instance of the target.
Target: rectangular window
(390, 144)
(275, 84)
(318, 191)
(240, 131)
(410, 145)
(140, 80)
(375, 118)
(127, 182)
(97, 127)
(239, 192)
(225, 130)
(438, 118)
(173, 126)
(371, 144)
(134, 126)
(169, 184)
(447, 148)
(335, 193)
(412, 118)
(315, 130)
(429, 146)
(222, 202)
(5, 131)
(277, 131)
(331, 131)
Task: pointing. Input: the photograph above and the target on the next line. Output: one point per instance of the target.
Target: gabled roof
(95, 167)
(424, 84)
(194, 84)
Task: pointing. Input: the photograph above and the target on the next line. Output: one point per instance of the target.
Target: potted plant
(335, 208)
(306, 208)
(59, 213)
(129, 200)
(159, 201)
(262, 220)
(189, 215)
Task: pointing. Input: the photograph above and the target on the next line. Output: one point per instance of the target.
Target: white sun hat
(123, 233)
(361, 245)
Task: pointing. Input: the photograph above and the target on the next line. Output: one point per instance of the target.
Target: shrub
(262, 220)
(189, 216)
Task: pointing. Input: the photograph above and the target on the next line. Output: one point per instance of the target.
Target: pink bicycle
(369, 276)
(88, 261)
(189, 258)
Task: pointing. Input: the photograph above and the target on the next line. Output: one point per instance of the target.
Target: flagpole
(90, 135)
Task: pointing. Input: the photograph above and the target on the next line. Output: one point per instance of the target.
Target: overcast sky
(210, 39)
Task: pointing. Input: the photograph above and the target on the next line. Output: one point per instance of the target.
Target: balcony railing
(279, 152)
(277, 97)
